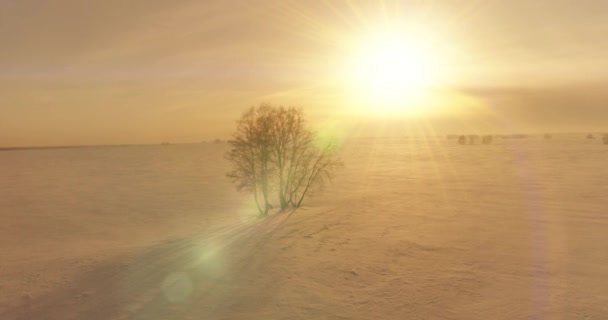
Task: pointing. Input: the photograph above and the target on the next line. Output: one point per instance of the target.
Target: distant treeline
(514, 136)
(488, 139)
(68, 147)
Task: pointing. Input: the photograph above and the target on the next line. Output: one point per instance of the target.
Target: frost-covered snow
(410, 229)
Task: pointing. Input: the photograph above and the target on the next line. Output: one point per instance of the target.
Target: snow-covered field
(410, 229)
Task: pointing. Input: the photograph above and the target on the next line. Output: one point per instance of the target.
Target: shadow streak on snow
(161, 282)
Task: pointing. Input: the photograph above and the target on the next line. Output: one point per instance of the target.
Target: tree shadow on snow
(161, 282)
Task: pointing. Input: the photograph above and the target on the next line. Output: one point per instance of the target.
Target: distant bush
(487, 139)
(273, 150)
(462, 140)
(590, 136)
(605, 138)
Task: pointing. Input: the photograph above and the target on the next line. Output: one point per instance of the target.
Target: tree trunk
(265, 189)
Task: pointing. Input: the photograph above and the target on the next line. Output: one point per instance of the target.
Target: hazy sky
(145, 71)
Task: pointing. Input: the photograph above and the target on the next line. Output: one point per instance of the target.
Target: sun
(393, 71)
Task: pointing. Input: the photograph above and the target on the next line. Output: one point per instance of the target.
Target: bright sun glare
(393, 72)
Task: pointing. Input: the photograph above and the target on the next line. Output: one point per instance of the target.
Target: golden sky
(145, 71)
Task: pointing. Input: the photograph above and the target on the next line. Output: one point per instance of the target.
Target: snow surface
(410, 229)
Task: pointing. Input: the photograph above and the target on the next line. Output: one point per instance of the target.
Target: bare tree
(303, 164)
(312, 169)
(250, 155)
(291, 141)
(273, 148)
